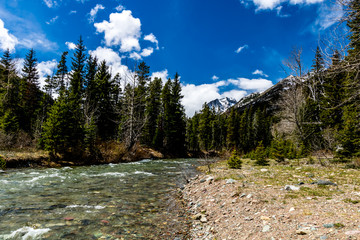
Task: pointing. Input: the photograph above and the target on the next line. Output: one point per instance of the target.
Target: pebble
(353, 232)
(248, 218)
(324, 237)
(203, 219)
(291, 209)
(68, 218)
(264, 170)
(291, 188)
(265, 218)
(266, 228)
(242, 195)
(328, 225)
(249, 196)
(230, 181)
(302, 231)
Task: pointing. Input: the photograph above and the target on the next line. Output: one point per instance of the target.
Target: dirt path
(253, 203)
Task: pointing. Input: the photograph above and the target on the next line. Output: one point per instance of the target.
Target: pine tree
(30, 92)
(232, 129)
(205, 127)
(152, 111)
(77, 76)
(61, 74)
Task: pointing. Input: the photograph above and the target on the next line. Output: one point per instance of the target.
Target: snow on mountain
(222, 104)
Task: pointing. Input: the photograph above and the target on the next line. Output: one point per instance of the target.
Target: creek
(115, 201)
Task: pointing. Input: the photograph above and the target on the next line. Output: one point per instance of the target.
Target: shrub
(234, 161)
(2, 163)
(260, 155)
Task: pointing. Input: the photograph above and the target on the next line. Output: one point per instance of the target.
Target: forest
(83, 108)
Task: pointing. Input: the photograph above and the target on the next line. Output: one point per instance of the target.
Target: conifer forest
(84, 107)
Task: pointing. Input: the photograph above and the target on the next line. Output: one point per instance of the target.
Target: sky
(227, 48)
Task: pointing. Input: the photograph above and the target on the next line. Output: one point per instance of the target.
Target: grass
(24, 154)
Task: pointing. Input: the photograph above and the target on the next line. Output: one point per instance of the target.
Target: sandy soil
(252, 203)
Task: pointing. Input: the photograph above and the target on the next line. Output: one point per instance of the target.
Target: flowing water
(115, 201)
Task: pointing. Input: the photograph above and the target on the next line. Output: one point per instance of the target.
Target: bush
(260, 155)
(234, 161)
(2, 163)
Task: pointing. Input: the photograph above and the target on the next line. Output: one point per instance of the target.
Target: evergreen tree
(205, 127)
(232, 129)
(30, 92)
(152, 111)
(77, 75)
(61, 73)
(192, 133)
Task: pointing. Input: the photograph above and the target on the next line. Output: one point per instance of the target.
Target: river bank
(298, 201)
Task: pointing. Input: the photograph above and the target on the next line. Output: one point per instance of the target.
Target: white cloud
(7, 40)
(122, 30)
(258, 85)
(214, 78)
(147, 52)
(120, 8)
(151, 37)
(274, 4)
(241, 48)
(164, 75)
(328, 16)
(196, 95)
(135, 56)
(260, 72)
(46, 68)
(70, 45)
(51, 3)
(72, 12)
(112, 59)
(94, 12)
(53, 20)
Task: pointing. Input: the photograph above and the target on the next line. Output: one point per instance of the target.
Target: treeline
(84, 107)
(317, 111)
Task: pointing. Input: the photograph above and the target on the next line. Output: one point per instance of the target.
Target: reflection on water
(115, 201)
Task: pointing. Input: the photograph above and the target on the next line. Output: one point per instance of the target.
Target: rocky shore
(275, 202)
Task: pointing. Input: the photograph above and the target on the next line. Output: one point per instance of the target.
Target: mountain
(222, 104)
(268, 99)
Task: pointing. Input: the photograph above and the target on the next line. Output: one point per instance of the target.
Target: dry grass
(24, 154)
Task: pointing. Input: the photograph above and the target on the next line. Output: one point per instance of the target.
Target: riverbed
(114, 201)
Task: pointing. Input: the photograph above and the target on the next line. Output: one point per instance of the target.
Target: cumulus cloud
(122, 30)
(120, 8)
(37, 40)
(241, 48)
(94, 12)
(259, 72)
(196, 95)
(151, 37)
(45, 69)
(273, 4)
(164, 75)
(214, 78)
(53, 20)
(112, 59)
(72, 12)
(70, 45)
(7, 40)
(257, 85)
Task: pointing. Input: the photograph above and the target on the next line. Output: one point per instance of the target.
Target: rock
(328, 225)
(197, 216)
(202, 180)
(210, 178)
(203, 219)
(230, 181)
(291, 209)
(248, 218)
(242, 195)
(264, 170)
(353, 232)
(68, 218)
(265, 218)
(233, 201)
(324, 182)
(105, 221)
(249, 196)
(302, 231)
(324, 237)
(266, 228)
(291, 188)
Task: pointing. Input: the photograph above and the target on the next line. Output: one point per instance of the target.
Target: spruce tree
(205, 127)
(30, 92)
(61, 73)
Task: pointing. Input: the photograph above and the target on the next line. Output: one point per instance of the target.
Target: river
(114, 201)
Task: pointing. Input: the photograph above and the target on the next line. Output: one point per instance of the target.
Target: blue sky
(220, 48)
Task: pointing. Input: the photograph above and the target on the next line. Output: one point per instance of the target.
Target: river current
(114, 201)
